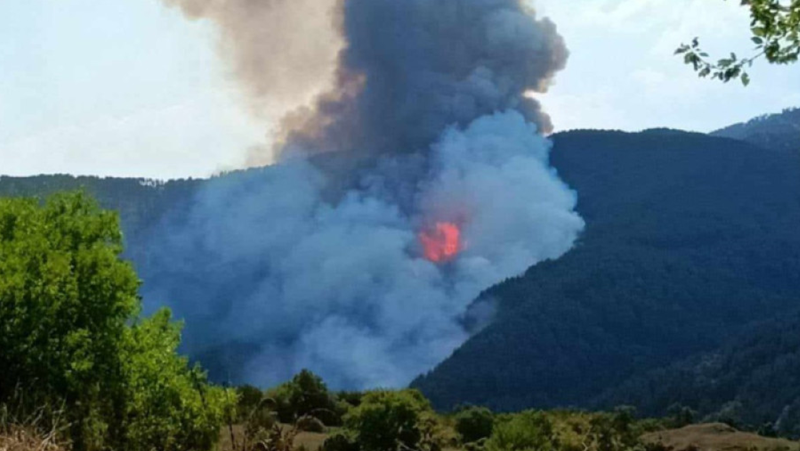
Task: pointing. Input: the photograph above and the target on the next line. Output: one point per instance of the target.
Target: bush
(528, 430)
(394, 420)
(474, 423)
(351, 398)
(169, 405)
(306, 394)
(249, 399)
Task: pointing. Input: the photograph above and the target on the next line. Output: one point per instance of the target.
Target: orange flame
(442, 243)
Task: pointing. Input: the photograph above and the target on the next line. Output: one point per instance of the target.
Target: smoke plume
(419, 178)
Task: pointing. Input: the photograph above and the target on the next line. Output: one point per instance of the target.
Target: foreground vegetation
(385, 420)
(77, 356)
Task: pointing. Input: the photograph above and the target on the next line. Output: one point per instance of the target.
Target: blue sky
(129, 88)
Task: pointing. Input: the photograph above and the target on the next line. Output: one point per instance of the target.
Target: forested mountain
(754, 379)
(689, 239)
(773, 131)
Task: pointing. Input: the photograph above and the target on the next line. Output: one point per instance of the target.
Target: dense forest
(752, 380)
(689, 239)
(773, 131)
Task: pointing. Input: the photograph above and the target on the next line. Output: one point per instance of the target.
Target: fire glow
(441, 243)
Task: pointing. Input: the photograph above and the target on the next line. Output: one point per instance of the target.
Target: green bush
(394, 420)
(70, 338)
(169, 405)
(474, 423)
(528, 430)
(306, 394)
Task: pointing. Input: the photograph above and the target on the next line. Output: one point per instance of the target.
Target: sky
(130, 88)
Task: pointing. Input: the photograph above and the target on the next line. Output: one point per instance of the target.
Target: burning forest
(410, 171)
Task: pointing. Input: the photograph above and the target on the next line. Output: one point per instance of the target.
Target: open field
(718, 437)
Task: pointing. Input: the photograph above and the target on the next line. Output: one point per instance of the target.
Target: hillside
(689, 239)
(754, 379)
(774, 131)
(140, 202)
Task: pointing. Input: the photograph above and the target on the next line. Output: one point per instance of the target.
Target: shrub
(306, 394)
(394, 420)
(169, 405)
(474, 423)
(528, 430)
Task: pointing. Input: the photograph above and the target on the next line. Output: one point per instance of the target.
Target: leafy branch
(775, 29)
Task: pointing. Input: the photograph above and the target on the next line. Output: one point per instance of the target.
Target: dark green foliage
(524, 431)
(752, 380)
(67, 302)
(689, 240)
(390, 421)
(567, 431)
(351, 398)
(250, 398)
(474, 423)
(306, 394)
(340, 441)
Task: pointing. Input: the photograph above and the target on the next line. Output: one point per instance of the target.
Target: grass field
(718, 437)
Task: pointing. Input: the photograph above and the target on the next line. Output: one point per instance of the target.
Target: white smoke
(343, 288)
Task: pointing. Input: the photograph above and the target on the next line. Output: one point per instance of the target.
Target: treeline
(386, 420)
(773, 131)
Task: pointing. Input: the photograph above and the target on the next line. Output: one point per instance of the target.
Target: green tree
(530, 430)
(474, 423)
(306, 394)
(70, 338)
(65, 299)
(389, 421)
(775, 28)
(169, 405)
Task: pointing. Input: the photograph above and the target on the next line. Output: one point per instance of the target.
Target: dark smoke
(316, 262)
(412, 68)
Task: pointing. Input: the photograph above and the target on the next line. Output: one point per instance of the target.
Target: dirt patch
(718, 437)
